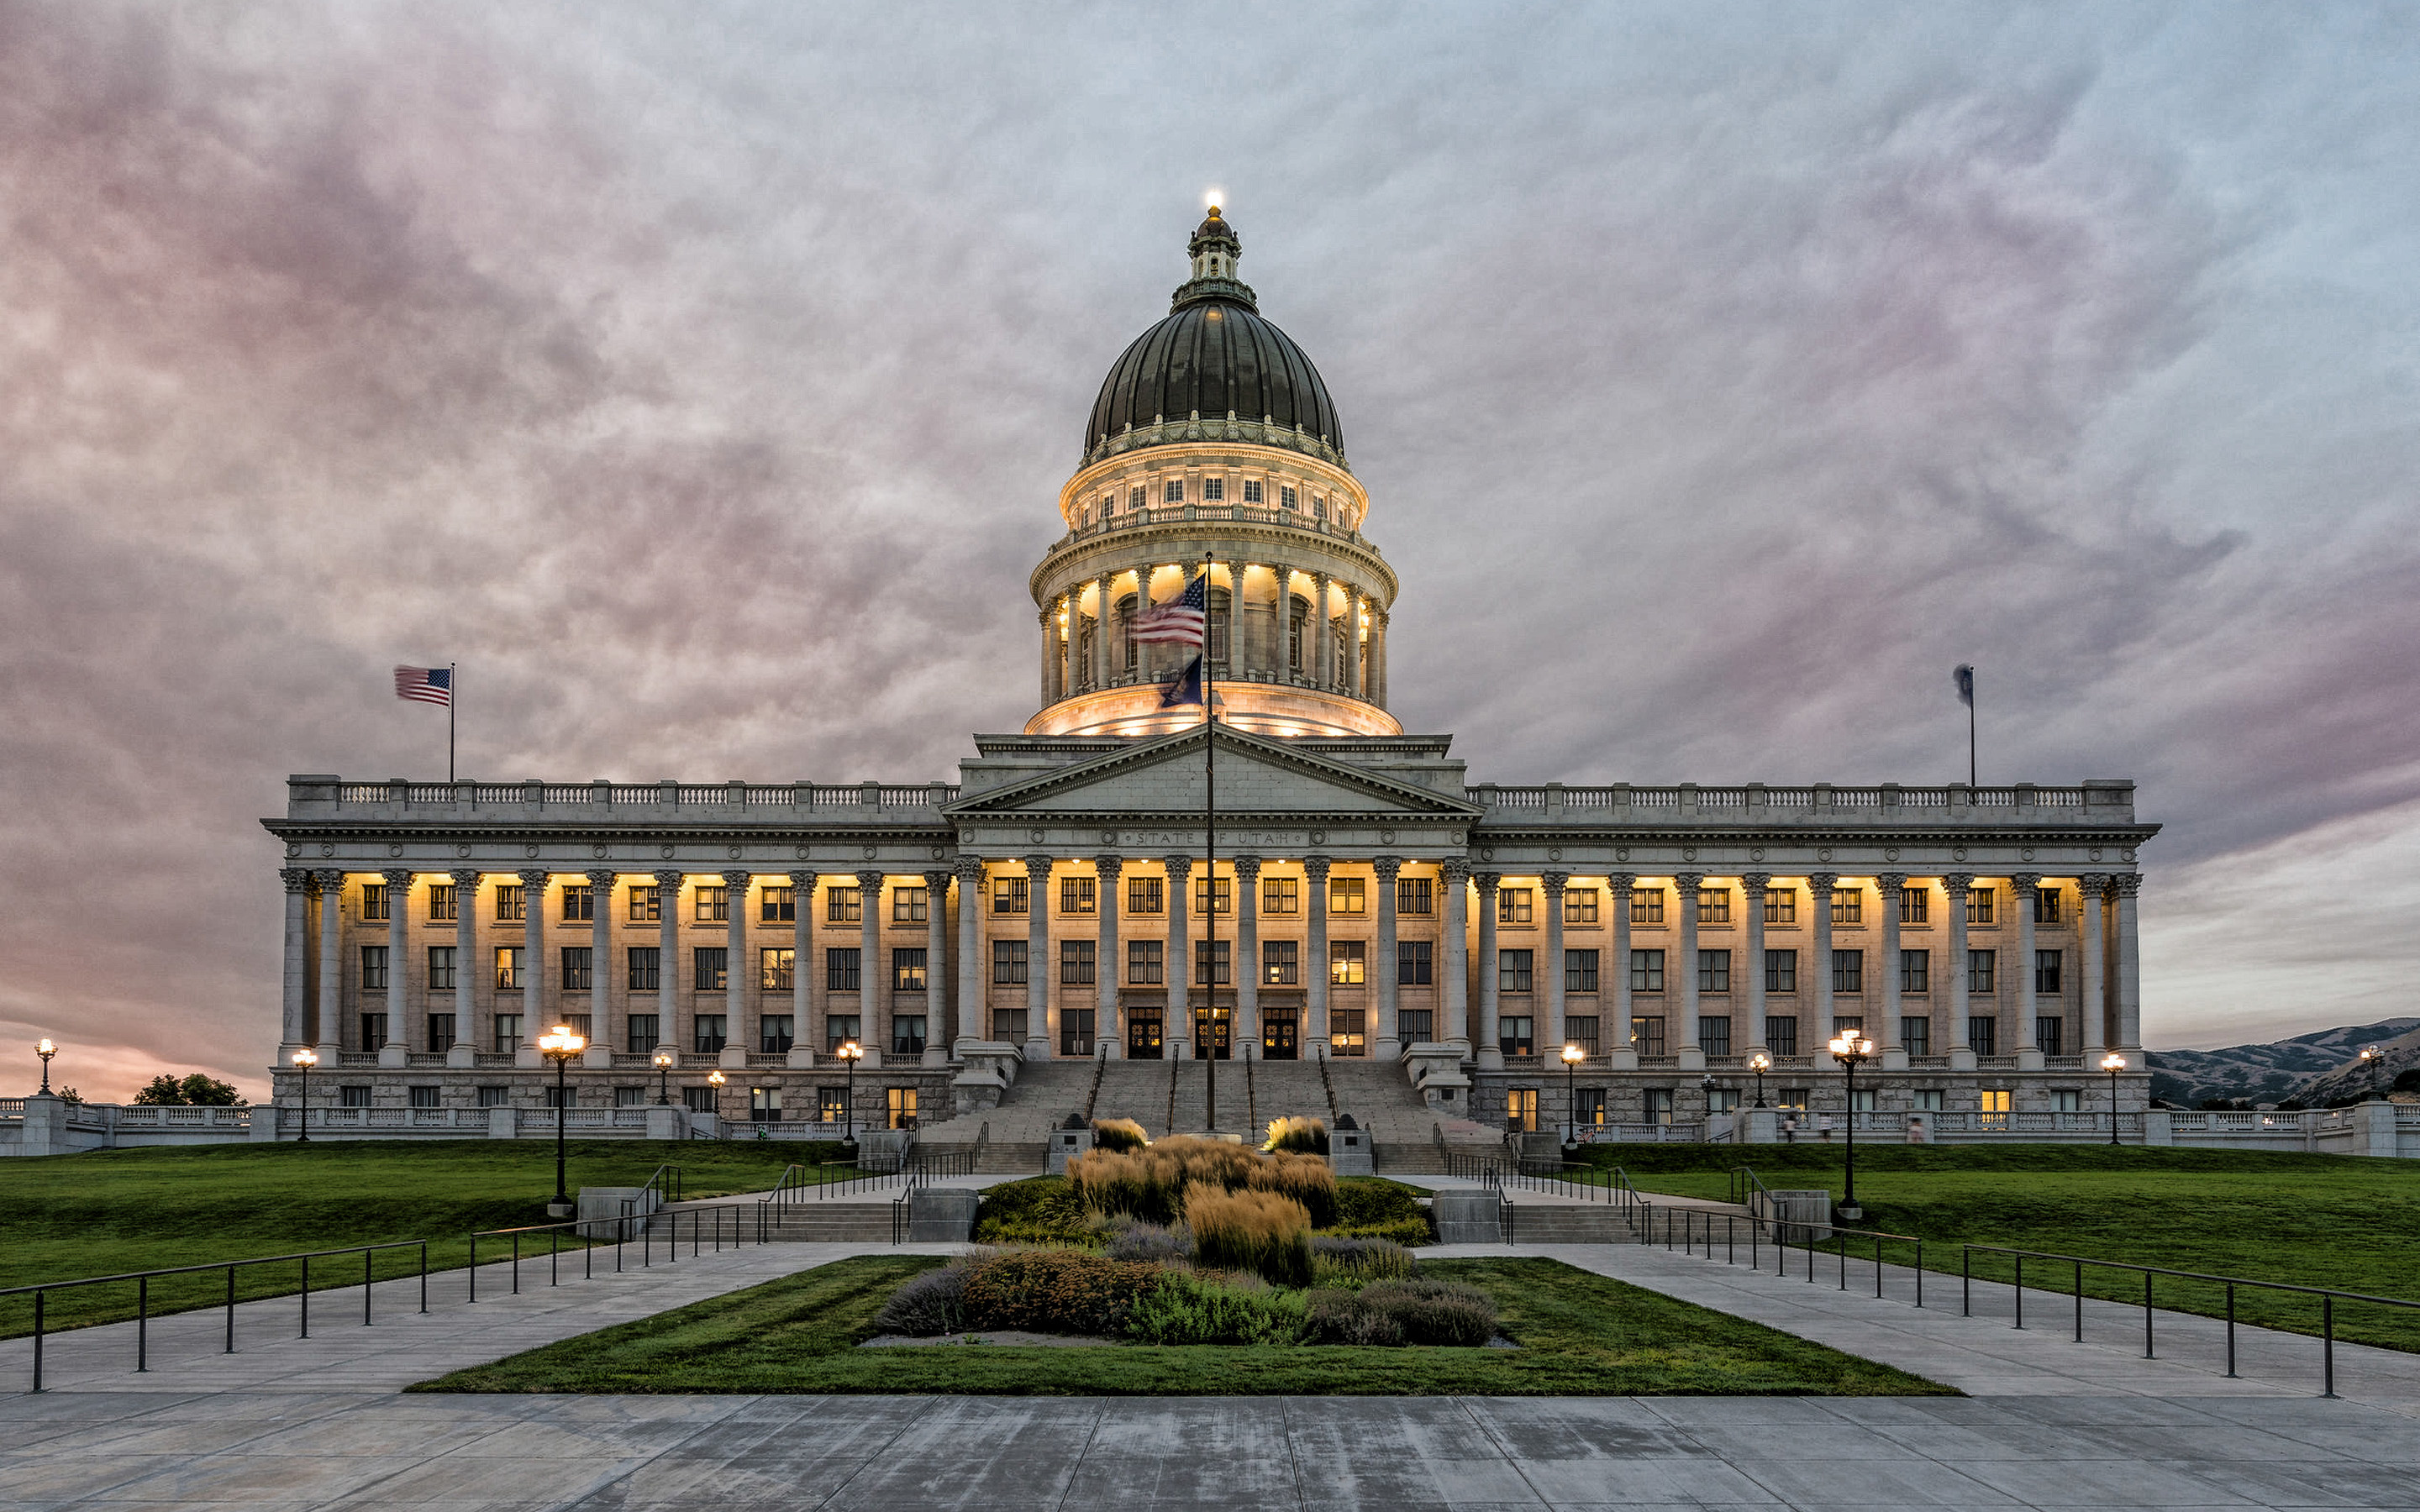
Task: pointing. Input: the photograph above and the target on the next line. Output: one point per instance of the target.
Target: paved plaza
(289, 1422)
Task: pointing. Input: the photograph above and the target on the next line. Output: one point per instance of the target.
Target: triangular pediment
(1255, 778)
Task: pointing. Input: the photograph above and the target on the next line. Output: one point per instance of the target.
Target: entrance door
(1214, 1032)
(1280, 1034)
(1142, 1034)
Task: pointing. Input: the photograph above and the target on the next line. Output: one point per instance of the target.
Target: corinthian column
(535, 1007)
(871, 977)
(1954, 895)
(297, 1017)
(1818, 990)
(330, 1030)
(1617, 1034)
(1454, 879)
(1315, 977)
(467, 1036)
(668, 963)
(937, 953)
(2092, 994)
(1680, 980)
(1750, 1036)
(1326, 631)
(1491, 1044)
(1390, 1042)
(738, 969)
(1101, 623)
(2023, 887)
(1109, 1029)
(1041, 1023)
(400, 1041)
(2124, 885)
(1553, 1038)
(604, 1022)
(802, 927)
(1177, 1031)
(1891, 886)
(974, 1005)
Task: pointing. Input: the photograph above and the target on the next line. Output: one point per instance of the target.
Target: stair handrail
(1172, 1079)
(1326, 1085)
(1100, 1066)
(1740, 1189)
(665, 1182)
(794, 1181)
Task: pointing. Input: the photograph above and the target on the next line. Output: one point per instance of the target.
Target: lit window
(844, 905)
(1347, 964)
(1647, 905)
(1848, 905)
(579, 904)
(1347, 895)
(1579, 905)
(1713, 905)
(1513, 905)
(910, 905)
(1781, 905)
(1078, 895)
(1281, 895)
(1010, 895)
(714, 905)
(777, 905)
(646, 904)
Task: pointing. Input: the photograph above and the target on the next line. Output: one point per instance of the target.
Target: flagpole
(1970, 733)
(1206, 1042)
(453, 696)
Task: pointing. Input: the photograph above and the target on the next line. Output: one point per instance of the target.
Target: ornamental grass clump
(1056, 1291)
(1149, 1184)
(1306, 1136)
(930, 1303)
(1304, 1179)
(1261, 1232)
(1118, 1134)
(1354, 1262)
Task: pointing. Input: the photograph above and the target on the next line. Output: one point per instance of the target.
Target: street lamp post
(1760, 1063)
(717, 1080)
(850, 1053)
(559, 1044)
(1572, 1056)
(305, 1059)
(664, 1064)
(45, 1049)
(2113, 1064)
(1852, 1049)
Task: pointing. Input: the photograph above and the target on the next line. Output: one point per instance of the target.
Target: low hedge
(1041, 1210)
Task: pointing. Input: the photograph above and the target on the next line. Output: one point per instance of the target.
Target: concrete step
(1018, 1159)
(1578, 1224)
(1407, 1159)
(1137, 1090)
(832, 1223)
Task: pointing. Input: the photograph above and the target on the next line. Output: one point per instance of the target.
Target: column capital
(329, 879)
(1179, 868)
(2092, 886)
(1387, 866)
(1622, 882)
(1037, 867)
(1487, 881)
(1956, 884)
(2125, 884)
(1456, 871)
(298, 879)
(671, 880)
(1554, 882)
(738, 881)
(534, 879)
(1248, 869)
(937, 884)
(867, 882)
(603, 881)
(1687, 882)
(1315, 867)
(464, 882)
(1108, 867)
(2025, 884)
(1821, 882)
(1755, 882)
(970, 870)
(803, 880)
(398, 878)
(1890, 881)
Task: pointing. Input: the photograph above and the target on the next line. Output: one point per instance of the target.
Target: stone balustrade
(1890, 802)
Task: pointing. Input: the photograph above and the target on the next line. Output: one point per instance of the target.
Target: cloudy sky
(701, 379)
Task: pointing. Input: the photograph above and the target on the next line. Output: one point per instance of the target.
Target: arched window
(1221, 620)
(1126, 631)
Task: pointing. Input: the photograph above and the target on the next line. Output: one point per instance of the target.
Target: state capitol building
(1369, 903)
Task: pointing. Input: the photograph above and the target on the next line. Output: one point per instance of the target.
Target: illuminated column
(330, 1030)
(1750, 1038)
(802, 927)
(1041, 1028)
(2023, 887)
(736, 968)
(1817, 990)
(1108, 971)
(2090, 993)
(1551, 1036)
(667, 902)
(1319, 625)
(1888, 887)
(1315, 977)
(1070, 605)
(535, 1007)
(937, 955)
(298, 961)
(1049, 657)
(974, 1016)
(1378, 657)
(1454, 879)
(1953, 889)
(1247, 957)
(604, 1024)
(1391, 1042)
(1681, 978)
(1102, 620)
(1351, 682)
(467, 1038)
(399, 1037)
(871, 978)
(2124, 885)
(1491, 1045)
(1625, 1050)
(1176, 1031)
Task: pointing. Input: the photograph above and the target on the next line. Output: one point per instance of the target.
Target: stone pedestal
(801, 1057)
(1465, 1216)
(502, 1123)
(734, 1057)
(666, 1121)
(391, 1054)
(1067, 1143)
(941, 1214)
(1757, 1126)
(463, 1057)
(1961, 1057)
(1690, 1059)
(1894, 1058)
(597, 1056)
(1348, 1152)
(2029, 1059)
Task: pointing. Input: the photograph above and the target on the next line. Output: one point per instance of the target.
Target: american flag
(1181, 621)
(424, 685)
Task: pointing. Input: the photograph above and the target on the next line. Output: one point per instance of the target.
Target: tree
(193, 1091)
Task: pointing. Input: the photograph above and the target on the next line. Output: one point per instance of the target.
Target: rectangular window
(1588, 1112)
(1516, 1034)
(1982, 970)
(373, 902)
(1347, 895)
(1417, 1026)
(442, 907)
(712, 963)
(579, 904)
(1076, 1030)
(508, 968)
(777, 968)
(1647, 905)
(1579, 971)
(1214, 491)
(1579, 905)
(1513, 905)
(1078, 895)
(1281, 895)
(1347, 962)
(1914, 905)
(842, 968)
(2047, 972)
(1008, 1023)
(646, 962)
(911, 905)
(713, 904)
(1415, 964)
(907, 1034)
(1981, 905)
(1580, 1030)
(1714, 971)
(1646, 971)
(711, 1033)
(563, 1097)
(1781, 971)
(1281, 963)
(1205, 895)
(1137, 497)
(644, 1034)
(1512, 971)
(579, 964)
(908, 970)
(1862, 1100)
(1415, 895)
(900, 1102)
(1076, 964)
(441, 1032)
(1146, 895)
(777, 904)
(1848, 971)
(844, 905)
(495, 1097)
(1008, 963)
(374, 967)
(1781, 1034)
(702, 1099)
(2046, 905)
(1916, 971)
(1983, 1036)
(1928, 1098)
(1251, 490)
(2065, 1098)
(776, 1033)
(1647, 1034)
(646, 904)
(1172, 491)
(1144, 962)
(355, 1097)
(1714, 1034)
(1844, 1022)
(1658, 1106)
(511, 899)
(1714, 905)
(1287, 498)
(508, 1033)
(1212, 957)
(1917, 1035)
(832, 1104)
(840, 1029)
(1848, 905)
(373, 1031)
(2049, 1031)
(1781, 905)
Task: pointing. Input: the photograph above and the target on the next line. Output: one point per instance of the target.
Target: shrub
(1408, 1232)
(1149, 1184)
(1368, 1202)
(1117, 1133)
(934, 1301)
(1434, 1312)
(1130, 1239)
(1055, 1292)
(1339, 1317)
(1304, 1179)
(1257, 1232)
(1191, 1309)
(1041, 1211)
(1361, 1259)
(1307, 1137)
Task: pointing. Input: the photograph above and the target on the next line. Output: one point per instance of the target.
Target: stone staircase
(1402, 1128)
(1569, 1222)
(1139, 1089)
(865, 1220)
(1016, 1136)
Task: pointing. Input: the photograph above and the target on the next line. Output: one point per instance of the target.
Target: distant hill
(2295, 1068)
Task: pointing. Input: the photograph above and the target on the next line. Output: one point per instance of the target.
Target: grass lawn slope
(1579, 1335)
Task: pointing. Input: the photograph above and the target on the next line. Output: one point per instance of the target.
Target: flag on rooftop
(1965, 676)
(1181, 621)
(424, 685)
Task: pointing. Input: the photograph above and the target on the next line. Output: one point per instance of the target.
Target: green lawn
(1580, 1334)
(2313, 1220)
(117, 1210)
